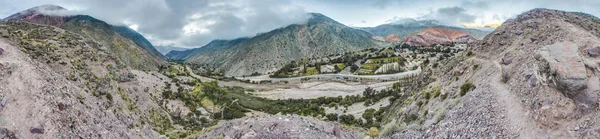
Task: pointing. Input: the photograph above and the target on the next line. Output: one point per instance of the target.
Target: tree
(369, 115)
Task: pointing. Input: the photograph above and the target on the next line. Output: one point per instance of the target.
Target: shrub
(436, 91)
(390, 128)
(109, 97)
(470, 53)
(444, 96)
(466, 87)
(373, 132)
(425, 113)
(410, 118)
(420, 103)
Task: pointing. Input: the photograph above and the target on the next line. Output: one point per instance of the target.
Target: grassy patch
(311, 71)
(466, 87)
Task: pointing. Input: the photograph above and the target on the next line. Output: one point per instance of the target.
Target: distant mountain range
(320, 36)
(431, 36)
(166, 49)
(126, 44)
(410, 26)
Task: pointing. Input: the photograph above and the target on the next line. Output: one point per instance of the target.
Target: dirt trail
(516, 115)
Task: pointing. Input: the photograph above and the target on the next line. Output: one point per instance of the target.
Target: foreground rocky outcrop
(534, 77)
(280, 126)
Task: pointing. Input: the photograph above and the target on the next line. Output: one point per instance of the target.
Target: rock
(36, 130)
(594, 52)
(562, 62)
(249, 135)
(337, 131)
(4, 33)
(507, 59)
(10, 135)
(3, 131)
(532, 81)
(126, 77)
(1, 51)
(3, 102)
(62, 106)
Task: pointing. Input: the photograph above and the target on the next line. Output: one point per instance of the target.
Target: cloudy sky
(193, 23)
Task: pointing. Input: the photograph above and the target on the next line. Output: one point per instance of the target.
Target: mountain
(431, 36)
(320, 36)
(59, 17)
(407, 26)
(166, 49)
(138, 39)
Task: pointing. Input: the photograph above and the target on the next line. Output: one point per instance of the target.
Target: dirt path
(518, 120)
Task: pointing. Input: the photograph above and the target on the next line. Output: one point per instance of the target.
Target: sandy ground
(305, 90)
(321, 89)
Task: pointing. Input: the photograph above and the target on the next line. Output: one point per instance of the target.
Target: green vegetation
(470, 53)
(466, 87)
(373, 132)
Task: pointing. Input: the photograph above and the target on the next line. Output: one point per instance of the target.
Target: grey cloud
(477, 4)
(450, 15)
(163, 20)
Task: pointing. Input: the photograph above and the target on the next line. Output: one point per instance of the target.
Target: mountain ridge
(57, 16)
(319, 36)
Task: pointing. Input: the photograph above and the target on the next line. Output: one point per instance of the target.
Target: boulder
(337, 131)
(4, 33)
(1, 51)
(562, 63)
(594, 52)
(507, 59)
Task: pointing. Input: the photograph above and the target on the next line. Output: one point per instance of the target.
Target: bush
(390, 128)
(466, 87)
(373, 132)
(470, 53)
(410, 118)
(436, 91)
(425, 113)
(109, 97)
(444, 96)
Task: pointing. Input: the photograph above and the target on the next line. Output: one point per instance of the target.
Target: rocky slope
(59, 84)
(533, 78)
(431, 36)
(59, 17)
(280, 126)
(320, 36)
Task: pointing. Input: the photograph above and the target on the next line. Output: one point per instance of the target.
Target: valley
(75, 76)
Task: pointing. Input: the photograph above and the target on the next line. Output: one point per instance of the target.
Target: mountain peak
(48, 7)
(320, 18)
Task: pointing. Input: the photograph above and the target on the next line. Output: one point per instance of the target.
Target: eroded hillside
(534, 77)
